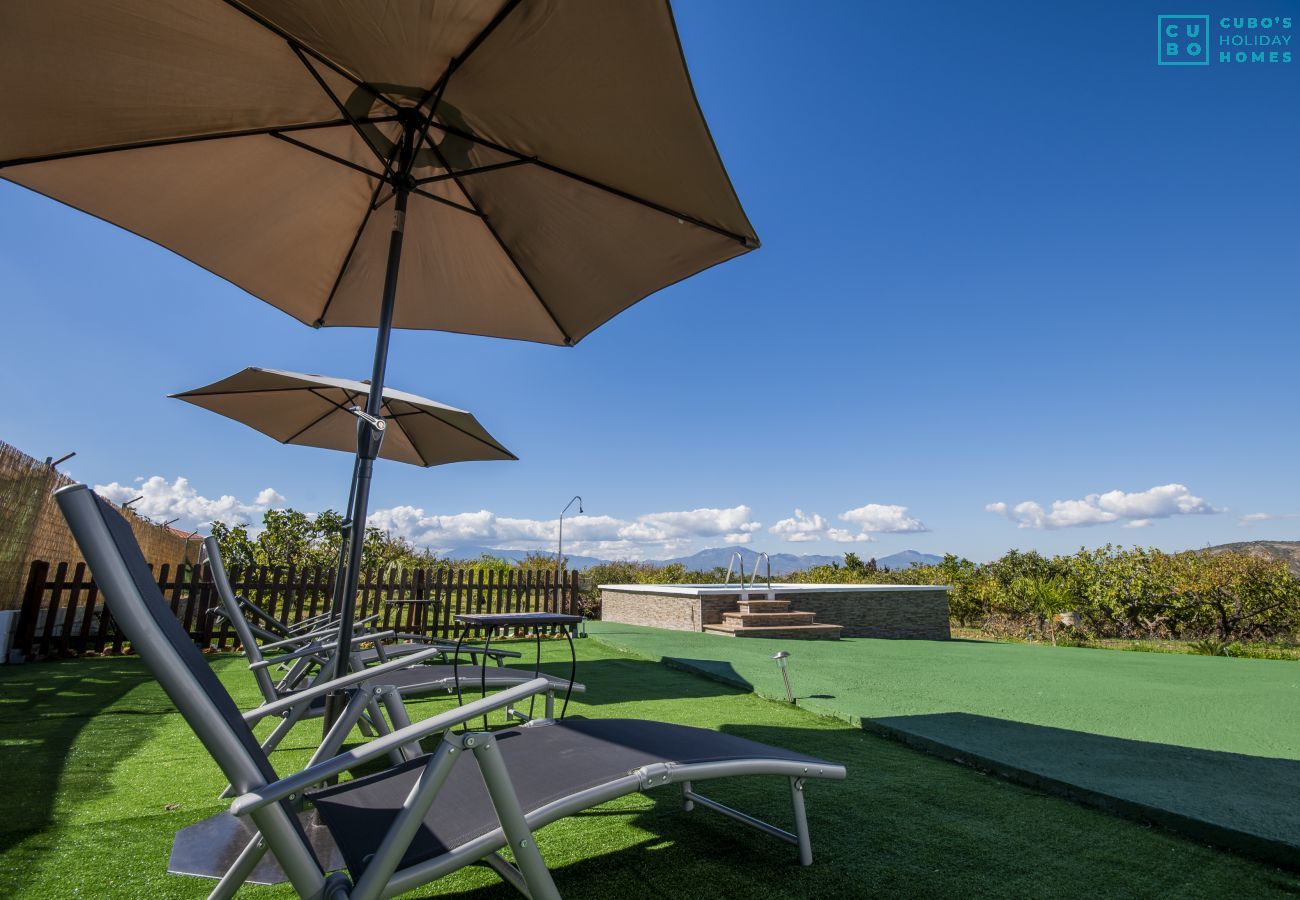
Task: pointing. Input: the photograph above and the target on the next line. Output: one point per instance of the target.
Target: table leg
(537, 670)
(573, 670)
(482, 672)
(455, 665)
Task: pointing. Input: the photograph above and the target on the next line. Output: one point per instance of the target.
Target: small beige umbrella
(320, 411)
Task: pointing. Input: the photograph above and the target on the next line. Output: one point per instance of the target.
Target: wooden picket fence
(62, 613)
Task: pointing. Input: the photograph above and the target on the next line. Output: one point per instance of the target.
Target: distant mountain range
(1287, 551)
(714, 557)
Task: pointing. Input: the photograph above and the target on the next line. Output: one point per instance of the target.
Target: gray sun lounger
(275, 632)
(312, 650)
(471, 796)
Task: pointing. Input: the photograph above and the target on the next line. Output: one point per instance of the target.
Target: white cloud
(1252, 518)
(846, 536)
(800, 527)
(882, 519)
(164, 501)
(874, 517)
(660, 532)
(1136, 510)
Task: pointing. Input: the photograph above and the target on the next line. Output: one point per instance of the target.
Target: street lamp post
(559, 547)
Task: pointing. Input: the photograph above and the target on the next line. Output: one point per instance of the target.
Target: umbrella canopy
(316, 411)
(548, 158)
(561, 167)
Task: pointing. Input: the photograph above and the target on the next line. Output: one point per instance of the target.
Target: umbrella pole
(369, 436)
(345, 537)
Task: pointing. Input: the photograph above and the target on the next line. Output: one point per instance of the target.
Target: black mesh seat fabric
(546, 764)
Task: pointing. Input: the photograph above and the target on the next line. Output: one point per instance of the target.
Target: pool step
(763, 606)
(773, 619)
(748, 619)
(784, 632)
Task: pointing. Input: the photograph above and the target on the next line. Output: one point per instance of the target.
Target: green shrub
(1209, 647)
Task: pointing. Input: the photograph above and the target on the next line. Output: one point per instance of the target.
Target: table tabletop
(519, 618)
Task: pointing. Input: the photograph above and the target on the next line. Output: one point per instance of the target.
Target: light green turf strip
(1207, 745)
(99, 771)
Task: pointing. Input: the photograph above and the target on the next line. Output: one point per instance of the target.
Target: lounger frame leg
(506, 802)
(385, 860)
(799, 837)
(801, 822)
(509, 874)
(239, 871)
(338, 733)
(330, 746)
(282, 728)
(392, 700)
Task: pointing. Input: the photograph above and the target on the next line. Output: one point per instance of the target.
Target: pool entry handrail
(753, 578)
(735, 554)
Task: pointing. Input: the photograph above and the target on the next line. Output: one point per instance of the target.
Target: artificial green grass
(99, 771)
(1208, 745)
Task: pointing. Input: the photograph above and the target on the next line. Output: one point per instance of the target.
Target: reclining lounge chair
(312, 650)
(274, 633)
(471, 796)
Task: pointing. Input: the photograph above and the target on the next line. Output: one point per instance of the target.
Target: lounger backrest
(141, 611)
(235, 613)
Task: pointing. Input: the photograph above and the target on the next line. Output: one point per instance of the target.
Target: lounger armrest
(476, 649)
(308, 623)
(321, 688)
(363, 638)
(315, 648)
(295, 784)
(311, 635)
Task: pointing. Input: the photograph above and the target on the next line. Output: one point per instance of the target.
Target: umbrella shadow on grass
(45, 707)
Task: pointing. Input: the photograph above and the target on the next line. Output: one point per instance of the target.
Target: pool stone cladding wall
(875, 613)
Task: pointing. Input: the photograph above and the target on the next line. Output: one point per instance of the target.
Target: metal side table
(490, 622)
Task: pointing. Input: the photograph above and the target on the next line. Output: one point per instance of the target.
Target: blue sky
(1006, 258)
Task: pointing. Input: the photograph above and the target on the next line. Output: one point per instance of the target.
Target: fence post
(70, 611)
(205, 589)
(30, 611)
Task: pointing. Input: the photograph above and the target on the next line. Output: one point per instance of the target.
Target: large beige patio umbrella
(546, 160)
(316, 411)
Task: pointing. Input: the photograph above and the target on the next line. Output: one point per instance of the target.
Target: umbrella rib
(330, 156)
(228, 392)
(406, 434)
(342, 108)
(445, 202)
(479, 170)
(321, 418)
(347, 257)
(314, 54)
(424, 412)
(591, 182)
(568, 338)
(492, 443)
(186, 139)
(435, 93)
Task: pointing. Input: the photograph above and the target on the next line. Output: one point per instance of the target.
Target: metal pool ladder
(736, 554)
(753, 579)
